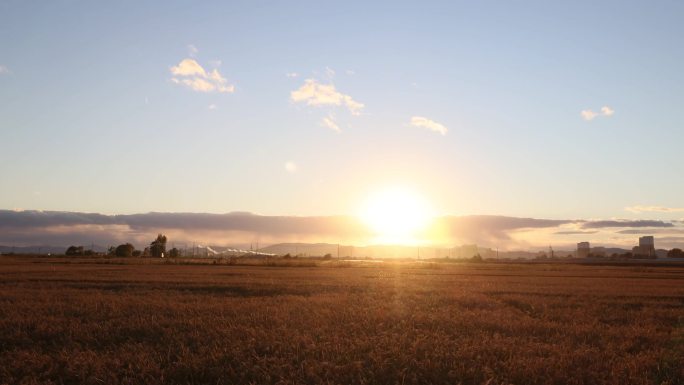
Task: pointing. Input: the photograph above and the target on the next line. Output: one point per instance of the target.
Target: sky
(533, 109)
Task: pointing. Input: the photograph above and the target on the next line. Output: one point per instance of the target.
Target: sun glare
(396, 216)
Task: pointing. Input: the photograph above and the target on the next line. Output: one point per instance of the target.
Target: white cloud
(291, 167)
(314, 93)
(191, 74)
(188, 67)
(607, 111)
(350, 72)
(329, 72)
(657, 209)
(212, 106)
(329, 122)
(4, 70)
(292, 74)
(590, 115)
(419, 121)
(192, 50)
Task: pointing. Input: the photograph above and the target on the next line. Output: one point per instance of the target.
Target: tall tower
(647, 246)
(583, 249)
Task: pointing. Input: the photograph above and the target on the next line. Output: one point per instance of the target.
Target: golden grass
(381, 323)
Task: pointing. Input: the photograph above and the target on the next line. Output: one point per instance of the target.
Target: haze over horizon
(556, 123)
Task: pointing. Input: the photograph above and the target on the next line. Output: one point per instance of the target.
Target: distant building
(647, 241)
(646, 248)
(466, 251)
(583, 249)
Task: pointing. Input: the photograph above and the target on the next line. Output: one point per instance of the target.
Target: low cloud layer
(24, 228)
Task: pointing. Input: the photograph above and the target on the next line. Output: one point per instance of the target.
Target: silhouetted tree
(125, 250)
(158, 246)
(137, 253)
(174, 253)
(675, 253)
(74, 250)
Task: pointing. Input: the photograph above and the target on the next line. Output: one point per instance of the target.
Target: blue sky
(91, 119)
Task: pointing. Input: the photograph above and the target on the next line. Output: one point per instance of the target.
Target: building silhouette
(583, 249)
(646, 248)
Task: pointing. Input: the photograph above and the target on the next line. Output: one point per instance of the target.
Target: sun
(396, 215)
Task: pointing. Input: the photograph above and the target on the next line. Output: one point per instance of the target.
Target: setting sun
(396, 215)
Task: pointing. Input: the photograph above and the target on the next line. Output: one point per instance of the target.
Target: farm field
(70, 321)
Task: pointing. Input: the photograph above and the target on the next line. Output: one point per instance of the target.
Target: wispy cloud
(191, 74)
(292, 74)
(419, 121)
(192, 50)
(654, 209)
(314, 93)
(4, 70)
(668, 230)
(212, 106)
(329, 122)
(625, 223)
(607, 111)
(575, 232)
(590, 115)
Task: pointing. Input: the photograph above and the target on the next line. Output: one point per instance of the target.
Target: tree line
(157, 248)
